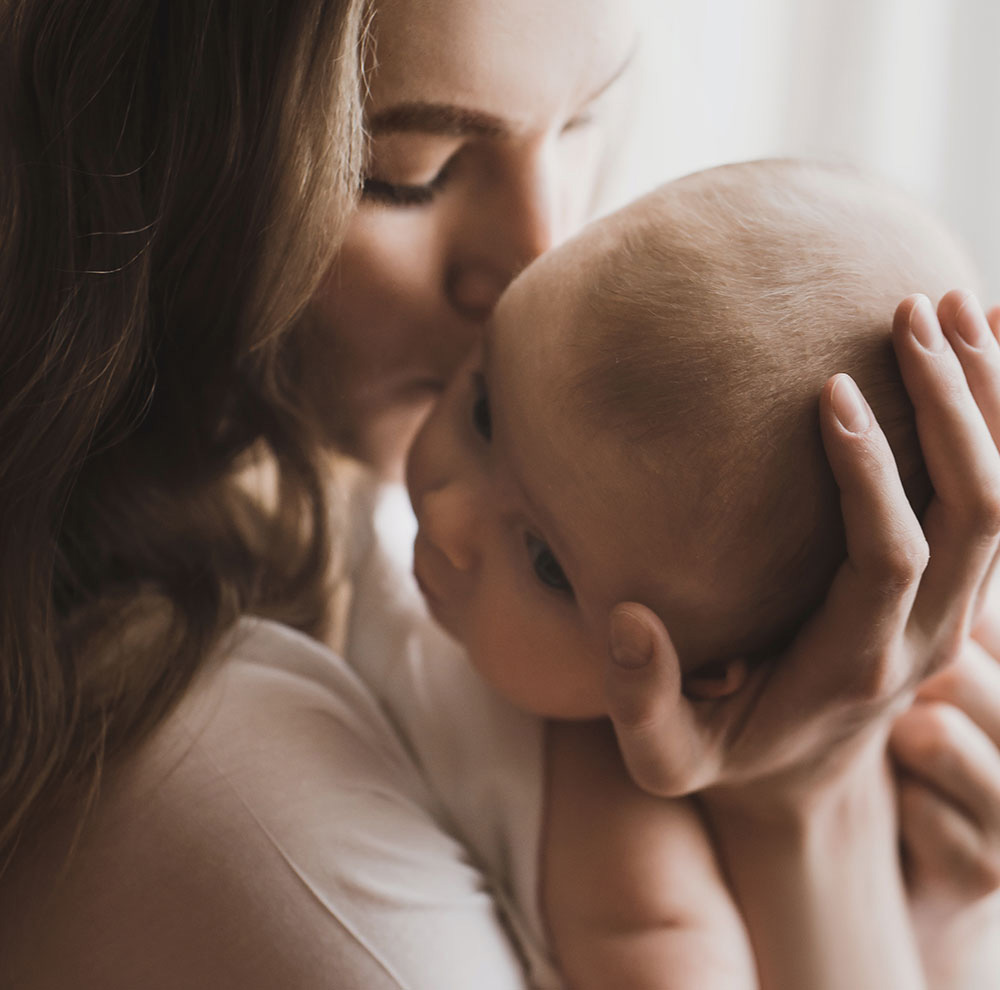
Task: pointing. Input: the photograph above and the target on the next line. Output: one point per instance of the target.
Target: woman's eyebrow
(443, 119)
(451, 120)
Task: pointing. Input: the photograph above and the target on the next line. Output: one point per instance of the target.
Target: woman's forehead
(516, 60)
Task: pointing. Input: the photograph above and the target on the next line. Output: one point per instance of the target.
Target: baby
(641, 425)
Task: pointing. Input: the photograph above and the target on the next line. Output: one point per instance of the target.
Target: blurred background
(908, 89)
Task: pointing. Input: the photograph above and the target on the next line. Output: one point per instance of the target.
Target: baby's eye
(547, 569)
(481, 421)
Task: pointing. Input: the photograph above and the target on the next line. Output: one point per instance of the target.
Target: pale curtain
(909, 89)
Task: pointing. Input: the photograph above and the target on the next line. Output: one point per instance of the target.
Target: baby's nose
(448, 520)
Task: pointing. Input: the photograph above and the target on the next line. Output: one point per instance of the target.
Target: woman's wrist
(819, 802)
(817, 876)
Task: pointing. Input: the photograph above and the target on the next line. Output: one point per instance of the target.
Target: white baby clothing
(483, 759)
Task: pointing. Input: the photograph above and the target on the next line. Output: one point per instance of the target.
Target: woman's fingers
(993, 317)
(889, 619)
(963, 519)
(986, 629)
(971, 684)
(973, 341)
(944, 848)
(943, 746)
(659, 738)
(957, 819)
(849, 661)
(872, 592)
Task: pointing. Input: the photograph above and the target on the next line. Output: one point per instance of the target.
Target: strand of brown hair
(174, 181)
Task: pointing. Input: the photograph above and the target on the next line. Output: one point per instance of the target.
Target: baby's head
(641, 425)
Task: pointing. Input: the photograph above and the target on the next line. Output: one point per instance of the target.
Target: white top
(282, 829)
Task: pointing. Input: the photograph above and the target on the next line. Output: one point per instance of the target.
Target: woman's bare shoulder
(273, 832)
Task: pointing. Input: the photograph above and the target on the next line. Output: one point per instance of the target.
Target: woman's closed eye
(547, 569)
(405, 194)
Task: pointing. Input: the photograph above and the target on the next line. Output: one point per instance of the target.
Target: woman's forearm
(820, 886)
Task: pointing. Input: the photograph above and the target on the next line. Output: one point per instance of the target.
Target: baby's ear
(716, 680)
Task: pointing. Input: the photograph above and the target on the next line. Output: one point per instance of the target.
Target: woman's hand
(898, 610)
(947, 748)
(816, 720)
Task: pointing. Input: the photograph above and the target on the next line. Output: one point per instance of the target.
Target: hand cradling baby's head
(719, 306)
(641, 425)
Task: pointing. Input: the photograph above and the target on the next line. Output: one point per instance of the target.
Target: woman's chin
(382, 434)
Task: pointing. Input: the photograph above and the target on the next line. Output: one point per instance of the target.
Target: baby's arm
(630, 888)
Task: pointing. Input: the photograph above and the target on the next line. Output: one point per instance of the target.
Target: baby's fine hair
(730, 297)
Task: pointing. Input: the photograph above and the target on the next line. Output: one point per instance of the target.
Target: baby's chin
(437, 604)
(437, 608)
(535, 691)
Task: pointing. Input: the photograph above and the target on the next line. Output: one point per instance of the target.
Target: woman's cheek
(385, 267)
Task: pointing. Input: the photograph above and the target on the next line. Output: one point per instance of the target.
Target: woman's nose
(513, 222)
(448, 519)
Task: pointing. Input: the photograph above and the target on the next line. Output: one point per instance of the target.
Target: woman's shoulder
(272, 832)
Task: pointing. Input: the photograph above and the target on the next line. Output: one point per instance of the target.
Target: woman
(197, 296)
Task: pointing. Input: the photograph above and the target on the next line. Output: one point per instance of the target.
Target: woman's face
(487, 122)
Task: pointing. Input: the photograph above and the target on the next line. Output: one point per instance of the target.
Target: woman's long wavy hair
(174, 180)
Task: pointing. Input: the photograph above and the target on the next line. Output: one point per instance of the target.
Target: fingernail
(849, 405)
(971, 322)
(924, 325)
(631, 641)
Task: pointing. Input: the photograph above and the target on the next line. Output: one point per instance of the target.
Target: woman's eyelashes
(391, 194)
(405, 194)
(481, 420)
(547, 569)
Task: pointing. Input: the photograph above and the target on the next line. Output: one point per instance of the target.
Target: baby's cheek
(537, 667)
